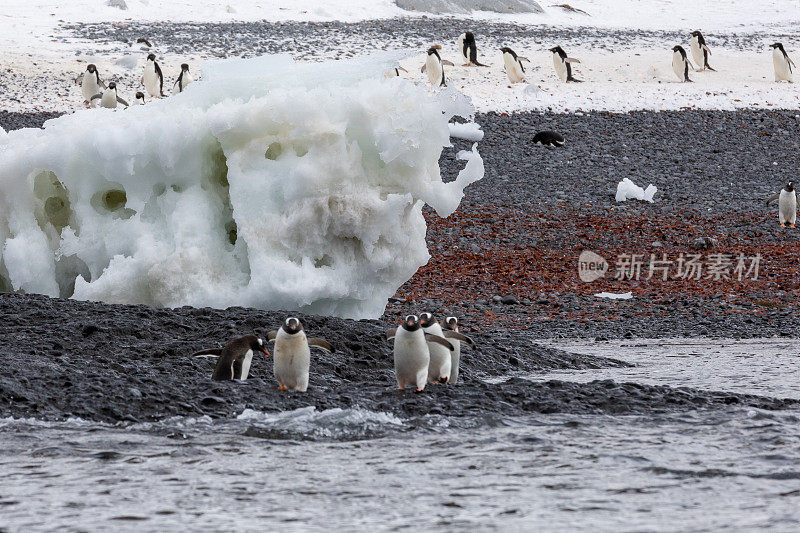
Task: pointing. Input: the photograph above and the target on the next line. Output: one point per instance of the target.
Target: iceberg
(267, 183)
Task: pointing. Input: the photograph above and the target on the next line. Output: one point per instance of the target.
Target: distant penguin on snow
(434, 67)
(783, 65)
(184, 79)
(140, 97)
(451, 333)
(109, 97)
(90, 83)
(513, 64)
(291, 359)
(680, 63)
(700, 51)
(787, 205)
(563, 64)
(469, 49)
(153, 78)
(411, 352)
(548, 138)
(235, 358)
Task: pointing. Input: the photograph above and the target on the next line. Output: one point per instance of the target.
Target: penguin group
(94, 90)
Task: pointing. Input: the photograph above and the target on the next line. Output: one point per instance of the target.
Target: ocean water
(729, 469)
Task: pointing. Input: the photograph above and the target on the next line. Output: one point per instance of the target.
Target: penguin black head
(292, 325)
(680, 50)
(790, 186)
(432, 51)
(151, 57)
(185, 67)
(558, 50)
(112, 85)
(469, 37)
(257, 344)
(696, 33)
(411, 323)
(451, 323)
(91, 68)
(139, 95)
(426, 319)
(507, 50)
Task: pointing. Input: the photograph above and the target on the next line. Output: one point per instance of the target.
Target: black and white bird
(153, 78)
(548, 138)
(451, 333)
(139, 97)
(291, 360)
(235, 357)
(434, 66)
(91, 84)
(513, 65)
(782, 63)
(184, 79)
(109, 98)
(563, 64)
(469, 49)
(787, 205)
(680, 63)
(700, 51)
(411, 353)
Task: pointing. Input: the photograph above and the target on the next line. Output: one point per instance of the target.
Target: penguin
(469, 50)
(783, 65)
(440, 360)
(451, 333)
(235, 358)
(184, 79)
(394, 73)
(513, 63)
(787, 205)
(700, 51)
(292, 354)
(680, 63)
(153, 78)
(434, 66)
(411, 352)
(563, 64)
(91, 84)
(109, 97)
(140, 97)
(548, 138)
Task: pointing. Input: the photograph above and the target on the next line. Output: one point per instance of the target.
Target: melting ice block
(628, 190)
(268, 183)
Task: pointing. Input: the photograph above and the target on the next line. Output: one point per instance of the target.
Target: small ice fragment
(615, 296)
(470, 131)
(627, 190)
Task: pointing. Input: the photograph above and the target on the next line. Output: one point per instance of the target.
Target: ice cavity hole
(55, 208)
(275, 150)
(112, 200)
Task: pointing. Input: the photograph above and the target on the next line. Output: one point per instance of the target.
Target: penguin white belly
(89, 87)
(678, 65)
(434, 69)
(455, 360)
(109, 99)
(787, 207)
(782, 72)
(513, 71)
(439, 366)
(291, 360)
(697, 53)
(151, 82)
(411, 358)
(461, 39)
(248, 358)
(560, 66)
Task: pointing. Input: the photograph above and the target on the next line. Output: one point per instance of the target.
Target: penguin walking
(184, 79)
(452, 334)
(700, 51)
(235, 358)
(292, 354)
(783, 65)
(513, 64)
(153, 78)
(394, 73)
(91, 84)
(548, 138)
(411, 352)
(109, 97)
(563, 64)
(680, 63)
(440, 360)
(469, 49)
(139, 97)
(787, 205)
(434, 65)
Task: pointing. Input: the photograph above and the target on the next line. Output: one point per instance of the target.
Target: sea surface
(729, 469)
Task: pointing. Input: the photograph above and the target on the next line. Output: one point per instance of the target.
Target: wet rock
(509, 299)
(703, 243)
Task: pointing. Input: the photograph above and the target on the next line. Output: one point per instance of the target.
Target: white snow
(615, 296)
(628, 190)
(469, 131)
(268, 183)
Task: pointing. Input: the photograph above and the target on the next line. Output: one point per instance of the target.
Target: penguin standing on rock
(440, 360)
(153, 78)
(109, 97)
(513, 64)
(563, 64)
(235, 358)
(434, 65)
(700, 51)
(469, 49)
(787, 205)
(184, 79)
(451, 333)
(292, 358)
(90, 83)
(783, 65)
(411, 353)
(680, 63)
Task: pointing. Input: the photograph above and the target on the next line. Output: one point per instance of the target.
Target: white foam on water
(308, 422)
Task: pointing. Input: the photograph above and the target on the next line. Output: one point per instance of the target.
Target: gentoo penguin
(440, 361)
(513, 63)
(140, 97)
(700, 51)
(153, 78)
(90, 83)
(452, 334)
(680, 63)
(235, 358)
(548, 138)
(787, 205)
(109, 97)
(783, 65)
(563, 64)
(434, 66)
(394, 73)
(184, 79)
(411, 352)
(469, 50)
(292, 354)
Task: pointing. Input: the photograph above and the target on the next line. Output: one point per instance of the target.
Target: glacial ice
(469, 131)
(628, 190)
(268, 183)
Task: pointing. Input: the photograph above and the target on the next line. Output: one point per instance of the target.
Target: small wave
(309, 424)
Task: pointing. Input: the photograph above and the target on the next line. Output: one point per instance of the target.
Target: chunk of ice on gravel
(615, 296)
(627, 190)
(470, 131)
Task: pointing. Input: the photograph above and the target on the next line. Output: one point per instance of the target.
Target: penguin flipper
(401, 68)
(211, 352)
(523, 59)
(459, 337)
(271, 336)
(101, 83)
(390, 333)
(430, 337)
(571, 60)
(424, 67)
(448, 63)
(773, 198)
(122, 101)
(321, 343)
(97, 96)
